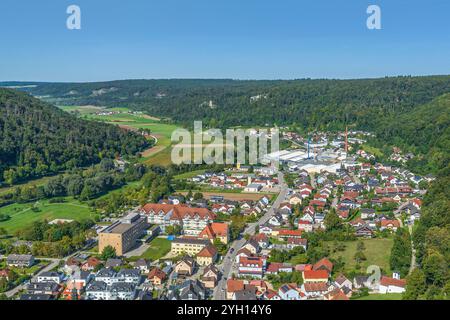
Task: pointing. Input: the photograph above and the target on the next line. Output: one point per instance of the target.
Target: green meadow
(377, 253)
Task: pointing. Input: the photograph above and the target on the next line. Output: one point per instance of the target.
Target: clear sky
(240, 39)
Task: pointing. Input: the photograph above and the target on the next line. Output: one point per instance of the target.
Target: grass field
(379, 296)
(372, 150)
(159, 247)
(377, 253)
(35, 182)
(160, 153)
(22, 215)
(188, 175)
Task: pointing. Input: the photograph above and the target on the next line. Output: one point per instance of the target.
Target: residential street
(227, 263)
(53, 264)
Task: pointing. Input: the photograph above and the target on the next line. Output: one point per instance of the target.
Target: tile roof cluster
(179, 211)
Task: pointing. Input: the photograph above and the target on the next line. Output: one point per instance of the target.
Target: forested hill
(409, 112)
(37, 139)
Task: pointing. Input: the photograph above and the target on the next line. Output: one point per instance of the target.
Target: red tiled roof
(246, 261)
(208, 251)
(235, 285)
(315, 286)
(179, 211)
(387, 281)
(156, 272)
(289, 233)
(315, 274)
(215, 229)
(386, 223)
(325, 263)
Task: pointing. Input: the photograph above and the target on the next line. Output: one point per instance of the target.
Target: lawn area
(35, 182)
(377, 253)
(162, 158)
(22, 215)
(159, 247)
(188, 175)
(372, 150)
(379, 296)
(82, 109)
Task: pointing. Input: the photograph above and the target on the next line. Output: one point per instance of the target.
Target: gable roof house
(185, 266)
(315, 276)
(207, 256)
(90, 264)
(314, 290)
(251, 266)
(210, 276)
(342, 281)
(252, 246)
(216, 230)
(389, 224)
(142, 265)
(323, 264)
(391, 285)
(156, 276)
(289, 291)
(233, 286)
(20, 260)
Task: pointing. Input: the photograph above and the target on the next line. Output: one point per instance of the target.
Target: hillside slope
(37, 139)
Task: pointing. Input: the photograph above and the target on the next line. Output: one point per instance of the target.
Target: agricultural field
(22, 215)
(188, 175)
(160, 132)
(377, 253)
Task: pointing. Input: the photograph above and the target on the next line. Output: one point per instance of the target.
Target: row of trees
(82, 184)
(401, 252)
(431, 280)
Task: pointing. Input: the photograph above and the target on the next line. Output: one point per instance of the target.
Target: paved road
(413, 253)
(312, 178)
(227, 262)
(53, 263)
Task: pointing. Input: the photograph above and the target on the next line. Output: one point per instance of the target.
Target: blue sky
(240, 39)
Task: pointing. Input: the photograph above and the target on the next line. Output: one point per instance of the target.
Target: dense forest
(38, 139)
(309, 104)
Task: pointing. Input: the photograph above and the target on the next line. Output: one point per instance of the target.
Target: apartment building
(122, 235)
(192, 220)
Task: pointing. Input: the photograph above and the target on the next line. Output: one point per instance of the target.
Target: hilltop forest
(38, 139)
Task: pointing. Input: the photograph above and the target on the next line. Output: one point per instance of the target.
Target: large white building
(192, 220)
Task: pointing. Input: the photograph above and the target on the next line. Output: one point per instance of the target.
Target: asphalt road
(53, 264)
(227, 262)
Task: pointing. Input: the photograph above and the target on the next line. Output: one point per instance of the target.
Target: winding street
(228, 259)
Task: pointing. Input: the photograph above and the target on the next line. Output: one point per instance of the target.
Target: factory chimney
(346, 141)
